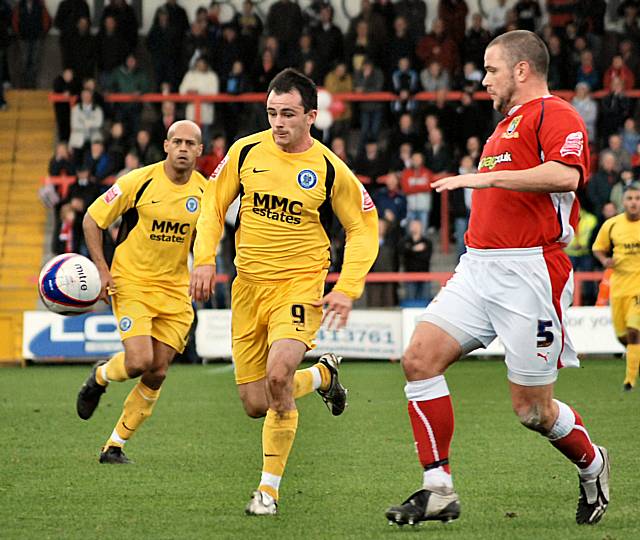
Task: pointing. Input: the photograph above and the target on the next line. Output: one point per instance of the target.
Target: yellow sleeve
(603, 239)
(354, 208)
(119, 198)
(223, 187)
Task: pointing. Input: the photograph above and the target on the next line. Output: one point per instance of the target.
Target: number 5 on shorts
(545, 337)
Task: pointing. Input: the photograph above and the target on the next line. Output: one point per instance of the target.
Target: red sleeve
(563, 137)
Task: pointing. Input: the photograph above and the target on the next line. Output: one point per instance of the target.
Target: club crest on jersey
(573, 144)
(307, 179)
(112, 194)
(125, 324)
(192, 204)
(511, 132)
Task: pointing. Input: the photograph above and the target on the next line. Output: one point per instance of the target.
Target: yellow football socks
(307, 380)
(633, 364)
(278, 433)
(137, 408)
(113, 370)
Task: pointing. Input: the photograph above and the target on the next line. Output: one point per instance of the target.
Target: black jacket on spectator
(62, 109)
(416, 261)
(112, 49)
(81, 54)
(614, 109)
(127, 22)
(67, 16)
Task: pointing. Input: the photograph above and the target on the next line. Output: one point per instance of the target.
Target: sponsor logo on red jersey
(112, 194)
(218, 169)
(573, 144)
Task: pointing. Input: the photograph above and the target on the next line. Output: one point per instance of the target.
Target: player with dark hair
(148, 281)
(617, 246)
(289, 186)
(515, 282)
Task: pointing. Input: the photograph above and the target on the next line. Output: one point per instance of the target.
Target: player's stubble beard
(504, 103)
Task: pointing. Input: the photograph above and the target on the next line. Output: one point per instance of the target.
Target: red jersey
(416, 181)
(544, 129)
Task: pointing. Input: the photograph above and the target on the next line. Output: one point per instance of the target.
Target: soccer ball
(69, 284)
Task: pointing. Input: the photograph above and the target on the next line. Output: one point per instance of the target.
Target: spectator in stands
(61, 163)
(201, 80)
(416, 184)
(369, 79)
(328, 41)
(470, 120)
(384, 294)
(454, 17)
(617, 191)
(68, 14)
(112, 49)
(129, 79)
(444, 111)
(438, 155)
(391, 202)
(619, 70)
(405, 86)
(65, 241)
(557, 64)
(587, 71)
(404, 131)
(587, 108)
(66, 84)
(614, 108)
(226, 53)
(81, 51)
(263, 71)
(561, 13)
(250, 28)
(117, 146)
(630, 136)
(600, 184)
(371, 163)
(470, 79)
(285, 22)
(339, 148)
(358, 47)
(460, 205)
(579, 250)
(438, 46)
(496, 16)
(87, 119)
(236, 82)
(126, 22)
(131, 162)
(400, 157)
(434, 78)
(168, 115)
(146, 151)
(376, 27)
(415, 13)
(196, 44)
(339, 80)
(473, 149)
(528, 13)
(635, 162)
(85, 188)
(178, 23)
(31, 23)
(304, 51)
(217, 149)
(416, 250)
(161, 41)
(402, 43)
(99, 162)
(622, 155)
(475, 41)
(629, 53)
(630, 25)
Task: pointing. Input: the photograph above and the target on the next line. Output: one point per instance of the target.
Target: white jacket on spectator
(200, 80)
(86, 123)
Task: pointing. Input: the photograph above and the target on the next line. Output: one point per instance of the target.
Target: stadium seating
(26, 139)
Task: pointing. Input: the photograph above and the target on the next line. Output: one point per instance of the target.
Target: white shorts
(517, 295)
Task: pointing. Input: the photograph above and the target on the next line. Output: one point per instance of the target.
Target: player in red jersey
(515, 282)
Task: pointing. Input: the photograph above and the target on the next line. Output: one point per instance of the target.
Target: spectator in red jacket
(416, 184)
(620, 70)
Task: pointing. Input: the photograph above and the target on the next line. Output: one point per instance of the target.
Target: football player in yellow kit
(621, 235)
(290, 185)
(148, 281)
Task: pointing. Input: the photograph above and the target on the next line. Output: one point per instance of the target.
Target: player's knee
(414, 362)
(532, 417)
(137, 364)
(254, 410)
(277, 380)
(155, 377)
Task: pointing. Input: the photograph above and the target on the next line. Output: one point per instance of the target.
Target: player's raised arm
(357, 214)
(223, 188)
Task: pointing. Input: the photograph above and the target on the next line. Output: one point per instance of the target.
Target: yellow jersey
(158, 223)
(622, 236)
(287, 202)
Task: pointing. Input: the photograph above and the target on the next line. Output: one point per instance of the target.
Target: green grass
(198, 459)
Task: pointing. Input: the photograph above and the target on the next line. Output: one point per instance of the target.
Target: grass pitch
(198, 459)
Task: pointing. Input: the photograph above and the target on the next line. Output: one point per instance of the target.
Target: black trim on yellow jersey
(130, 217)
(243, 154)
(241, 158)
(325, 211)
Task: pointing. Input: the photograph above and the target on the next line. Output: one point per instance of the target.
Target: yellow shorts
(625, 313)
(155, 314)
(266, 312)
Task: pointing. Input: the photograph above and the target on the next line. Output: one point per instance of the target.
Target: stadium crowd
(396, 147)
